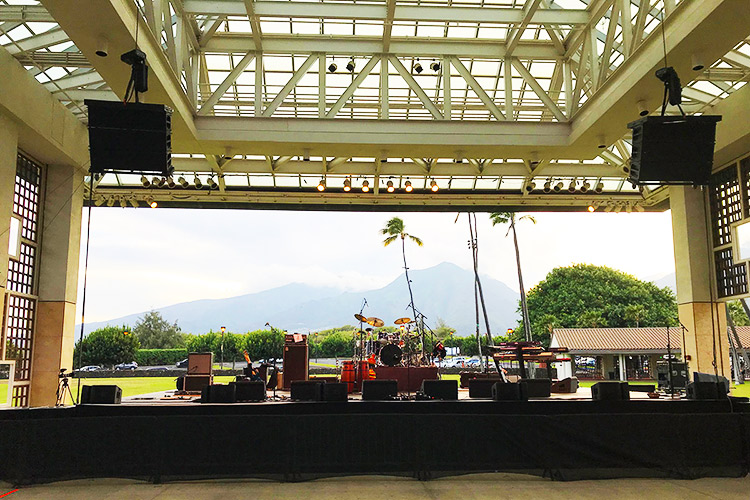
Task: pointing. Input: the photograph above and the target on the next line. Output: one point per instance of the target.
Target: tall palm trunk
(524, 309)
(408, 281)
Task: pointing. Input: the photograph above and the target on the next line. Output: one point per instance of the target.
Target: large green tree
(154, 332)
(106, 346)
(585, 295)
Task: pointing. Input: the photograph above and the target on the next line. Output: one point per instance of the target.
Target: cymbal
(402, 321)
(360, 318)
(376, 322)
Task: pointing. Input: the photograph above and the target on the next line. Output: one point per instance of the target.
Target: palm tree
(394, 228)
(510, 218)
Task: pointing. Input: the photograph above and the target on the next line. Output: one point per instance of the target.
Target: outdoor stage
(560, 439)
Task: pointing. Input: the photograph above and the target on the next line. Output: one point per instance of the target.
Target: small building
(623, 353)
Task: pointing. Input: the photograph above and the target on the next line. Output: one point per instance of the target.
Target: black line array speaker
(101, 395)
(307, 390)
(673, 149)
(502, 391)
(379, 390)
(610, 391)
(335, 391)
(130, 138)
(249, 390)
(441, 389)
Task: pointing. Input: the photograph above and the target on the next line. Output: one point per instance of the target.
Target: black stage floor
(303, 440)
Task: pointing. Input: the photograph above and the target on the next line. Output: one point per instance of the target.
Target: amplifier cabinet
(295, 363)
(200, 363)
(196, 383)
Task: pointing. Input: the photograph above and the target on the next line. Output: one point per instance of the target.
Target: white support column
(447, 93)
(508, 80)
(54, 337)
(258, 84)
(623, 371)
(322, 85)
(568, 85)
(384, 90)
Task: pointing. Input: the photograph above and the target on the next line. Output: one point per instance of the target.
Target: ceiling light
(591, 208)
(332, 67)
(435, 66)
(212, 183)
(347, 184)
(170, 183)
(407, 187)
(390, 186)
(111, 201)
(198, 183)
(601, 142)
(558, 187)
(628, 208)
(322, 185)
(696, 62)
(572, 186)
(608, 208)
(183, 182)
(617, 209)
(144, 180)
(155, 181)
(418, 67)
(548, 186)
(639, 208)
(530, 186)
(151, 202)
(365, 186)
(99, 201)
(350, 65)
(585, 186)
(642, 108)
(599, 187)
(102, 46)
(123, 202)
(133, 202)
(434, 186)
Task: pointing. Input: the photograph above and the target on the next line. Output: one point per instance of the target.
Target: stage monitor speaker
(101, 395)
(200, 363)
(307, 390)
(379, 390)
(481, 388)
(249, 390)
(503, 391)
(335, 391)
(441, 389)
(708, 377)
(536, 387)
(706, 390)
(195, 383)
(610, 391)
(295, 363)
(219, 393)
(130, 137)
(566, 385)
(673, 149)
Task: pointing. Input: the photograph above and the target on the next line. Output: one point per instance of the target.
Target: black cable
(707, 208)
(85, 279)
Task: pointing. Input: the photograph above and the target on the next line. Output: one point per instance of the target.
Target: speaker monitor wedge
(101, 394)
(130, 137)
(673, 149)
(441, 389)
(379, 389)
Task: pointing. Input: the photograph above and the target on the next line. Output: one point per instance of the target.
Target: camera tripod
(63, 388)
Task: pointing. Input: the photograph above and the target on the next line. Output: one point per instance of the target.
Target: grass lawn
(3, 391)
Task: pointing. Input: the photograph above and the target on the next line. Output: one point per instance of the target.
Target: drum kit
(402, 348)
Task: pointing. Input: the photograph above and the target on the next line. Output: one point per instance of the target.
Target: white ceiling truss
(491, 61)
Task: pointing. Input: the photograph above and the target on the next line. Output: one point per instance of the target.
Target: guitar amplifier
(196, 383)
(200, 363)
(295, 363)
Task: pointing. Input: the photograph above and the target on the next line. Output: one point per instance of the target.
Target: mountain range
(444, 292)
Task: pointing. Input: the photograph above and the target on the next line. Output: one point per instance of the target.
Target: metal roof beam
(335, 10)
(25, 14)
(46, 39)
(515, 34)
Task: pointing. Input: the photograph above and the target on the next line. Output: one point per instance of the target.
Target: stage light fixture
(435, 66)
(102, 46)
(322, 185)
(529, 187)
(408, 187)
(599, 187)
(350, 65)
(585, 186)
(639, 208)
(170, 183)
(133, 202)
(418, 67)
(198, 183)
(151, 202)
(696, 62)
(347, 184)
(183, 182)
(332, 67)
(434, 186)
(144, 180)
(601, 142)
(642, 108)
(389, 184)
(212, 183)
(558, 187)
(365, 186)
(123, 203)
(111, 201)
(628, 208)
(591, 208)
(158, 181)
(572, 186)
(99, 202)
(617, 209)
(547, 186)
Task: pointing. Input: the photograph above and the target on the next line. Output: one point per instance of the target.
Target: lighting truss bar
(25, 14)
(357, 11)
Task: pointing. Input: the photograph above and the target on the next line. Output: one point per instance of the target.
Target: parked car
(127, 366)
(455, 362)
(473, 363)
(181, 364)
(90, 368)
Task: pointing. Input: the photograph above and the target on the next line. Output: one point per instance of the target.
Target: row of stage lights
(171, 184)
(389, 186)
(434, 66)
(549, 187)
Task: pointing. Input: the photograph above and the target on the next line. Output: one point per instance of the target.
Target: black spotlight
(138, 72)
(435, 66)
(672, 82)
(350, 65)
(332, 67)
(418, 67)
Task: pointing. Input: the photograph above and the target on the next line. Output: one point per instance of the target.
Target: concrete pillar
(623, 370)
(54, 338)
(702, 315)
(8, 155)
(608, 365)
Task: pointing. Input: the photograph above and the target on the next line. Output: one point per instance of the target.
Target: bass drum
(390, 355)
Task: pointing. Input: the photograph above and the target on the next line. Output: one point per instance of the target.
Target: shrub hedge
(152, 357)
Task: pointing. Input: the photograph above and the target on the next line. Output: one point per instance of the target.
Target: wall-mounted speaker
(673, 149)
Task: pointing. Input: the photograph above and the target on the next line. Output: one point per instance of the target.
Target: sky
(144, 258)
